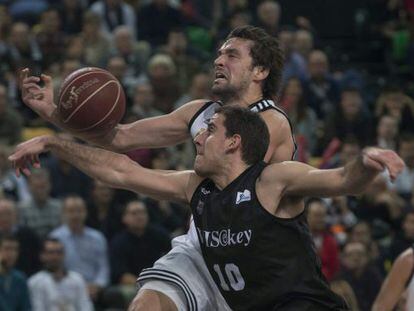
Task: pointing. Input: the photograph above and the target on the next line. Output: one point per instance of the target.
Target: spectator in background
(143, 102)
(184, 58)
(56, 288)
(85, 248)
(135, 53)
(404, 183)
(29, 242)
(119, 68)
(325, 243)
(350, 119)
(114, 13)
(103, 211)
(322, 90)
(364, 279)
(41, 213)
(71, 12)
(11, 187)
(156, 19)
(14, 294)
(268, 16)
(392, 101)
(95, 42)
(23, 48)
(200, 87)
(387, 132)
(404, 238)
(50, 38)
(137, 247)
(304, 43)
(11, 123)
(343, 289)
(295, 64)
(303, 118)
(162, 76)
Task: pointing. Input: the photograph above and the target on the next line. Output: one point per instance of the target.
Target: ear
(234, 143)
(260, 73)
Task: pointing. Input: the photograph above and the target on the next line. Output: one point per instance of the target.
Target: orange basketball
(91, 100)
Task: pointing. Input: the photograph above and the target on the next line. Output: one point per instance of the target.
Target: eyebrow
(228, 51)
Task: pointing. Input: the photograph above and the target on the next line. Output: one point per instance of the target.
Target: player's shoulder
(190, 109)
(276, 171)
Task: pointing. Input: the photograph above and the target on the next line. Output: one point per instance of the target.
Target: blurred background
(348, 83)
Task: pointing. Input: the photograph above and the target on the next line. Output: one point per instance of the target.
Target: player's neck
(245, 101)
(227, 173)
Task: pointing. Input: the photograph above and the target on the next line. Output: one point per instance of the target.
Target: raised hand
(39, 99)
(26, 155)
(379, 159)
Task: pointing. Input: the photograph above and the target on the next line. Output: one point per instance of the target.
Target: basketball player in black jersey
(258, 260)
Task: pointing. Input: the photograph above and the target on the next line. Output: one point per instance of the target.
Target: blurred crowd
(71, 243)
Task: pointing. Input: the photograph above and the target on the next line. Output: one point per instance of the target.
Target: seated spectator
(325, 243)
(268, 16)
(85, 248)
(50, 37)
(135, 53)
(364, 279)
(114, 13)
(103, 210)
(392, 101)
(143, 101)
(404, 237)
(137, 247)
(350, 119)
(295, 64)
(11, 186)
(96, 44)
(404, 184)
(387, 132)
(10, 121)
(119, 69)
(199, 88)
(41, 213)
(303, 118)
(156, 19)
(28, 259)
(304, 43)
(343, 289)
(162, 76)
(71, 12)
(56, 288)
(322, 91)
(14, 294)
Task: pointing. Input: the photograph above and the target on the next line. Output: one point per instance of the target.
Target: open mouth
(220, 76)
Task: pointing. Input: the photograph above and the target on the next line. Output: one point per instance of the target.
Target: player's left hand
(379, 159)
(27, 153)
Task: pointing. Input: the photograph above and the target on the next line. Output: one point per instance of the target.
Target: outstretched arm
(166, 130)
(113, 169)
(395, 283)
(298, 179)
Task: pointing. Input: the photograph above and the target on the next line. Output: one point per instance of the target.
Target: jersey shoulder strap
(266, 104)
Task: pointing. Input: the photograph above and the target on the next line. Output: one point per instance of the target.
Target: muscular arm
(156, 132)
(298, 179)
(113, 169)
(394, 284)
(281, 144)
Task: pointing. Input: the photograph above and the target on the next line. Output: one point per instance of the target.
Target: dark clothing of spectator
(14, 293)
(399, 244)
(130, 253)
(67, 179)
(366, 286)
(154, 23)
(71, 24)
(171, 220)
(10, 127)
(29, 250)
(322, 97)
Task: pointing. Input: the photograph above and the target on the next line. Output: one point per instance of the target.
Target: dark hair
(50, 240)
(251, 128)
(9, 238)
(265, 52)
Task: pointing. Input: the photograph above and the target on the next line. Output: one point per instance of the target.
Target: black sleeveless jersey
(258, 261)
(198, 121)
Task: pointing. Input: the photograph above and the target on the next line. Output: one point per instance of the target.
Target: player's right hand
(27, 153)
(39, 99)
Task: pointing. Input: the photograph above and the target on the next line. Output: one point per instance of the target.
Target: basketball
(91, 100)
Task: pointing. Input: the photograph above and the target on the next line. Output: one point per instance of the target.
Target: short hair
(9, 238)
(251, 128)
(265, 52)
(50, 240)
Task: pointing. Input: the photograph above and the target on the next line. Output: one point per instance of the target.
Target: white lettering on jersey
(223, 238)
(243, 196)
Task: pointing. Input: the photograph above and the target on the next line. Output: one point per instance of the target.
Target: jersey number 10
(233, 275)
